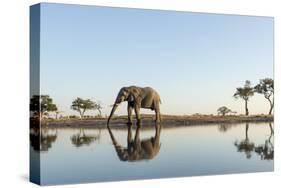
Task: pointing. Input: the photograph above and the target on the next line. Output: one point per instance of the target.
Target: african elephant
(137, 149)
(137, 97)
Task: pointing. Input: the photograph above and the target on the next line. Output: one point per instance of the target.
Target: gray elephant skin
(137, 149)
(137, 98)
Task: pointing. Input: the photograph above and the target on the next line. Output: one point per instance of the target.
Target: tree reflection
(224, 127)
(42, 139)
(266, 150)
(137, 149)
(245, 145)
(81, 138)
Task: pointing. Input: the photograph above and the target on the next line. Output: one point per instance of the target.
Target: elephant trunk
(112, 112)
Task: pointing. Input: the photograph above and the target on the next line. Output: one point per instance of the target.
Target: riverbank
(167, 121)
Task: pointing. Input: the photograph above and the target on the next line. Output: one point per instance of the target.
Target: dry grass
(166, 120)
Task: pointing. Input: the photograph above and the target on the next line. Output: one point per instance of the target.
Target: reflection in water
(266, 151)
(183, 154)
(245, 145)
(42, 139)
(81, 138)
(34, 138)
(224, 127)
(137, 149)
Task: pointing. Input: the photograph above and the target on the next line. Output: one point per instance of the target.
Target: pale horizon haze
(194, 61)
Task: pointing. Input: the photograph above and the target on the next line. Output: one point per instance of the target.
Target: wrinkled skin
(137, 149)
(137, 98)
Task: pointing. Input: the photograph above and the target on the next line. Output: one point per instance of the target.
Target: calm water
(70, 155)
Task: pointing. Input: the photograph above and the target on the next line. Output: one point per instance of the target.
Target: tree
(266, 150)
(57, 114)
(82, 105)
(81, 138)
(245, 93)
(266, 87)
(98, 107)
(224, 127)
(245, 145)
(41, 105)
(223, 110)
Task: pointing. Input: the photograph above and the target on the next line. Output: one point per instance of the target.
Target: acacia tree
(266, 87)
(245, 93)
(223, 110)
(82, 105)
(42, 104)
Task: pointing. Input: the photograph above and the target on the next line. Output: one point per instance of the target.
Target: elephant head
(123, 95)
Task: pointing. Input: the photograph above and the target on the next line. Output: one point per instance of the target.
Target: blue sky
(194, 60)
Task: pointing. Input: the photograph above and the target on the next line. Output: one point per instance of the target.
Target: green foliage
(42, 104)
(244, 92)
(223, 110)
(266, 87)
(82, 105)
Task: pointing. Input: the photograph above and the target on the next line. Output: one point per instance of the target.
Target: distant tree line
(42, 105)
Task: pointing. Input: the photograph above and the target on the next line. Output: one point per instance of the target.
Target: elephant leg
(157, 114)
(129, 108)
(129, 137)
(137, 112)
(137, 141)
(157, 134)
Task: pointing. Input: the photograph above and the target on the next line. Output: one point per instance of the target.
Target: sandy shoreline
(167, 121)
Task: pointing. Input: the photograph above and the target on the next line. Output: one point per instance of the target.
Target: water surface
(73, 155)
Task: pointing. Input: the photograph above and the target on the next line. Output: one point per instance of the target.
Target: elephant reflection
(266, 150)
(245, 145)
(137, 149)
(42, 139)
(81, 138)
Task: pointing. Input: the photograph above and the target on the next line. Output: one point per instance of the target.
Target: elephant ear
(135, 95)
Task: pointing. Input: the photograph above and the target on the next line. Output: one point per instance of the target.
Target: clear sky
(195, 61)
